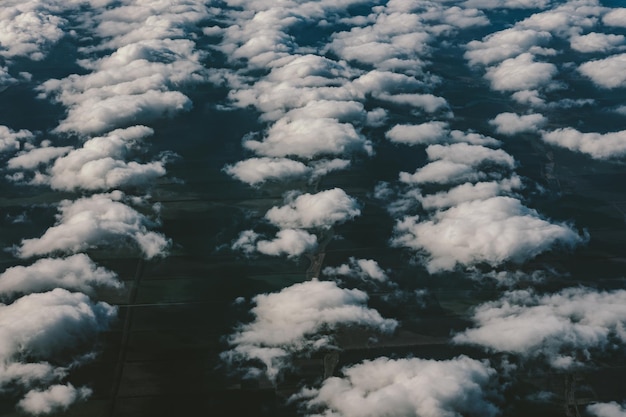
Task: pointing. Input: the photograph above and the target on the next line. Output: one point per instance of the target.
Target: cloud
(596, 145)
(425, 133)
(10, 140)
(309, 138)
(428, 102)
(616, 17)
(606, 73)
(32, 158)
(98, 165)
(365, 269)
(39, 329)
(403, 387)
(130, 86)
(442, 172)
(98, 220)
(469, 192)
(255, 171)
(562, 327)
(76, 272)
(512, 124)
(288, 242)
(507, 4)
(54, 399)
(508, 43)
(321, 210)
(596, 42)
(611, 409)
(29, 31)
(520, 73)
(493, 231)
(288, 323)
(470, 154)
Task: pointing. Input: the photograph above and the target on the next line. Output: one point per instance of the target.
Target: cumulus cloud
(290, 242)
(308, 138)
(430, 103)
(560, 327)
(255, 171)
(40, 327)
(596, 42)
(505, 44)
(288, 323)
(469, 192)
(597, 145)
(425, 133)
(99, 220)
(606, 73)
(520, 73)
(507, 4)
(77, 272)
(492, 231)
(11, 140)
(512, 124)
(615, 17)
(54, 399)
(130, 86)
(402, 387)
(365, 269)
(321, 210)
(611, 409)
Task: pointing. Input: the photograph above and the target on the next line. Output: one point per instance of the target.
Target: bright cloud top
(557, 327)
(289, 322)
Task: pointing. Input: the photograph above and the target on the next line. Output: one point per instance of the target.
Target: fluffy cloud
(428, 102)
(255, 171)
(30, 30)
(615, 17)
(290, 242)
(365, 269)
(596, 42)
(560, 327)
(469, 192)
(425, 133)
(308, 138)
(41, 327)
(491, 231)
(10, 140)
(520, 73)
(507, 4)
(442, 172)
(611, 409)
(101, 219)
(403, 387)
(54, 399)
(288, 323)
(512, 124)
(597, 145)
(505, 44)
(607, 73)
(321, 210)
(76, 272)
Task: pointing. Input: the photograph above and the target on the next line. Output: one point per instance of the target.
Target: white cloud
(611, 409)
(512, 124)
(309, 138)
(615, 17)
(41, 327)
(492, 231)
(290, 242)
(425, 133)
(507, 4)
(365, 269)
(288, 324)
(596, 42)
(560, 327)
(32, 158)
(406, 387)
(505, 44)
(596, 145)
(99, 220)
(520, 73)
(428, 102)
(442, 172)
(474, 155)
(469, 192)
(321, 210)
(54, 399)
(606, 73)
(255, 171)
(10, 140)
(76, 272)
(29, 31)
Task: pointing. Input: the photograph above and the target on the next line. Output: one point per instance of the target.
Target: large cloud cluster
(297, 320)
